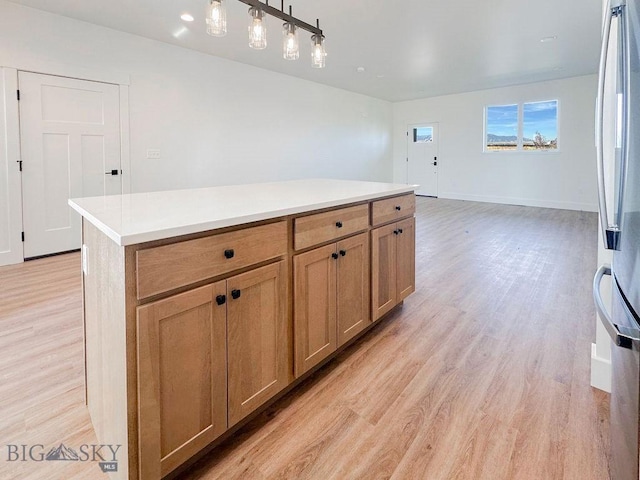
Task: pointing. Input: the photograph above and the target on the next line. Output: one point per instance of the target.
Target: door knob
(334, 256)
(398, 207)
(221, 299)
(339, 224)
(343, 252)
(229, 253)
(235, 294)
(399, 230)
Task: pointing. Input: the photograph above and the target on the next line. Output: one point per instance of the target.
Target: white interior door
(422, 158)
(70, 143)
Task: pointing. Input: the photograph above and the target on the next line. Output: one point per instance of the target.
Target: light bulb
(290, 45)
(257, 29)
(318, 52)
(217, 19)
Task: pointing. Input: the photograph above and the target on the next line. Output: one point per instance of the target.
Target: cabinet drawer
(171, 266)
(327, 226)
(391, 209)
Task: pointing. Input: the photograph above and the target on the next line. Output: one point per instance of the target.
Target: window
(528, 126)
(423, 135)
(502, 127)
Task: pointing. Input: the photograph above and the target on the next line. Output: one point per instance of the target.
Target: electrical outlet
(153, 154)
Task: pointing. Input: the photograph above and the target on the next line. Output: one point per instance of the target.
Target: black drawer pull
(398, 207)
(343, 252)
(339, 224)
(235, 294)
(221, 299)
(229, 253)
(334, 256)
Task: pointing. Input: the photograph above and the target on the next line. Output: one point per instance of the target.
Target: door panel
(352, 287)
(70, 137)
(625, 399)
(406, 255)
(181, 377)
(314, 307)
(256, 323)
(383, 275)
(422, 158)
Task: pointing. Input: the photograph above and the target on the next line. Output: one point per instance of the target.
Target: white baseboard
(529, 202)
(600, 371)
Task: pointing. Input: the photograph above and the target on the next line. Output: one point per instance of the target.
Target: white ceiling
(409, 48)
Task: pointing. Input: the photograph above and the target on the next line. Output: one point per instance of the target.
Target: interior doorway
(422, 158)
(70, 147)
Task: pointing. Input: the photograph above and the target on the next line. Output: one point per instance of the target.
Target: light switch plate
(153, 154)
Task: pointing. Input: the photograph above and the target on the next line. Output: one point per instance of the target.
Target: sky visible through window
(502, 120)
(541, 117)
(538, 122)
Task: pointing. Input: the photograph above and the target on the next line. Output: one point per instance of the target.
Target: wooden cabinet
(182, 382)
(392, 265)
(206, 359)
(257, 338)
(331, 299)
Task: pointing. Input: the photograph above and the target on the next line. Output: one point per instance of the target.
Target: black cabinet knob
(398, 207)
(235, 294)
(396, 232)
(339, 224)
(334, 256)
(229, 253)
(399, 230)
(221, 299)
(343, 252)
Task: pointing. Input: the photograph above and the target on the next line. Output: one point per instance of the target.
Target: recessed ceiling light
(187, 17)
(360, 69)
(549, 39)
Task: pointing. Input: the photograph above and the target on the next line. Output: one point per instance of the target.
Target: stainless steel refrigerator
(620, 225)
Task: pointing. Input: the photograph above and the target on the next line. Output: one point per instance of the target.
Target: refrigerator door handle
(611, 231)
(622, 336)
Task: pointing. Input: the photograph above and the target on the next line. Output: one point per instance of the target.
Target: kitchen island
(201, 306)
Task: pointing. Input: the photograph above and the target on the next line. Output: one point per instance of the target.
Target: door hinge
(23, 236)
(18, 94)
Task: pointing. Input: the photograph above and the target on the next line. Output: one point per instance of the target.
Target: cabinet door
(353, 292)
(314, 296)
(406, 258)
(182, 385)
(256, 322)
(383, 270)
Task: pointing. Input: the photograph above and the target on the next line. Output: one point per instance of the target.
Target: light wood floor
(482, 374)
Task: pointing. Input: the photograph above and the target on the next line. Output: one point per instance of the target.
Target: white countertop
(143, 217)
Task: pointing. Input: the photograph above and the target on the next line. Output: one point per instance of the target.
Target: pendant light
(257, 29)
(217, 19)
(217, 26)
(318, 53)
(290, 44)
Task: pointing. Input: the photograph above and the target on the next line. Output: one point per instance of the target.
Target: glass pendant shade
(257, 29)
(318, 52)
(217, 19)
(290, 45)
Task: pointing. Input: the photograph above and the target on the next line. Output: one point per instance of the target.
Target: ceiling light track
(217, 27)
(282, 15)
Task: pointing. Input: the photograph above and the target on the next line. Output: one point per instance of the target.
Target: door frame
(410, 127)
(12, 153)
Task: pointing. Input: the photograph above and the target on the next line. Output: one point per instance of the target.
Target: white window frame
(519, 144)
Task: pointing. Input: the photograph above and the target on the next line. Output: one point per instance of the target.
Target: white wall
(566, 179)
(214, 120)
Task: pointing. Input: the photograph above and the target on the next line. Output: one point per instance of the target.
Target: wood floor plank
(482, 374)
